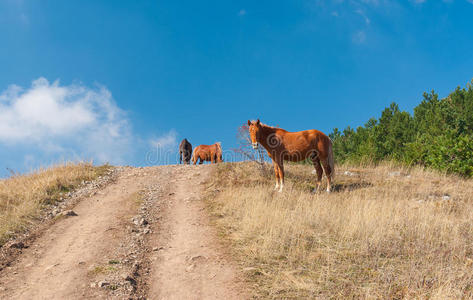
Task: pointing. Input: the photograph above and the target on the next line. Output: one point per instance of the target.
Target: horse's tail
(330, 159)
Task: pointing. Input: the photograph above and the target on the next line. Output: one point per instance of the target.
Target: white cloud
(362, 13)
(166, 141)
(359, 37)
(242, 12)
(163, 149)
(72, 122)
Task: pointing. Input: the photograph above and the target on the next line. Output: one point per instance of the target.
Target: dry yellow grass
(23, 196)
(384, 233)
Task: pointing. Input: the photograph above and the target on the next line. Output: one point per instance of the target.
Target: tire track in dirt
(61, 263)
(58, 264)
(192, 263)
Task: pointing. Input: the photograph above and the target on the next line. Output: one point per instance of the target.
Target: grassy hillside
(23, 196)
(385, 232)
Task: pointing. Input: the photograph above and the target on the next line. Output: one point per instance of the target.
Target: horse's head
(219, 151)
(255, 131)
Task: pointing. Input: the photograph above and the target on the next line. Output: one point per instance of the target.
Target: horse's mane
(269, 126)
(265, 125)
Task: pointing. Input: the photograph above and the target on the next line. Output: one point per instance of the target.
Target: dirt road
(146, 235)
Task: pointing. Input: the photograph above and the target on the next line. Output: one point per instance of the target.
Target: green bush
(439, 135)
(451, 154)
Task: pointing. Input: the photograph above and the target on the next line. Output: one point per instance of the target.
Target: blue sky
(110, 80)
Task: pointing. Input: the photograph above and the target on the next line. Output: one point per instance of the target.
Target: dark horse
(185, 152)
(294, 146)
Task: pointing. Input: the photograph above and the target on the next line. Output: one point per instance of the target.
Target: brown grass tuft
(386, 232)
(23, 196)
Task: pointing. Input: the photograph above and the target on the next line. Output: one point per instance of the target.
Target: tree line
(438, 135)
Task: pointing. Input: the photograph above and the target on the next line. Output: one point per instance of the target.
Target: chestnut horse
(212, 153)
(294, 146)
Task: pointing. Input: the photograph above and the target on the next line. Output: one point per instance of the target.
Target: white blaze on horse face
(253, 137)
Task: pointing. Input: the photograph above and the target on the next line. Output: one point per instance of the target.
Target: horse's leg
(281, 176)
(201, 161)
(319, 171)
(328, 172)
(276, 174)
